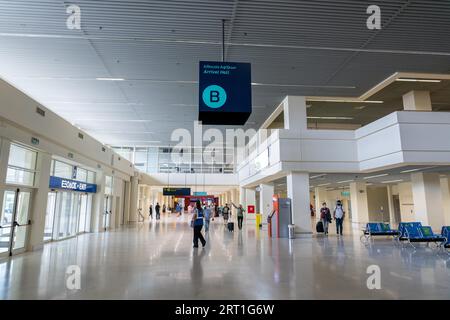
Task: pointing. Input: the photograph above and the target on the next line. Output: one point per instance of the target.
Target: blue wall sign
(225, 92)
(68, 184)
(200, 193)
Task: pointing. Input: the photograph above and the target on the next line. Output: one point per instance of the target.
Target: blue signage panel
(68, 184)
(176, 191)
(225, 92)
(200, 193)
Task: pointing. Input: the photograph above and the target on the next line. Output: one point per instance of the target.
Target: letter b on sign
(214, 96)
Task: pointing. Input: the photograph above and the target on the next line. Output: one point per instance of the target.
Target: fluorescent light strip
(323, 185)
(346, 181)
(331, 118)
(110, 79)
(377, 176)
(318, 176)
(417, 80)
(413, 170)
(392, 181)
(345, 100)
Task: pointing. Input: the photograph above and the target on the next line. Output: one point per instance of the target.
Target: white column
(417, 101)
(127, 187)
(360, 207)
(321, 197)
(250, 200)
(445, 187)
(39, 202)
(406, 202)
(98, 203)
(298, 192)
(242, 195)
(134, 193)
(391, 206)
(265, 200)
(294, 109)
(427, 196)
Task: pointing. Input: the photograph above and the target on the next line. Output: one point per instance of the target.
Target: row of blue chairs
(410, 232)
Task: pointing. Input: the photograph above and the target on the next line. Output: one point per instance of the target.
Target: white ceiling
(295, 47)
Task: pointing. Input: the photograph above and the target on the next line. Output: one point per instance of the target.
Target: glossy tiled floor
(157, 261)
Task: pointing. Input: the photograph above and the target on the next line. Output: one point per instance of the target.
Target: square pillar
(360, 207)
(298, 192)
(321, 197)
(294, 109)
(427, 196)
(266, 200)
(391, 208)
(250, 200)
(417, 101)
(445, 188)
(39, 201)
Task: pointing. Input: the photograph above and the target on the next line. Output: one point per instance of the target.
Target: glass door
(50, 216)
(85, 213)
(66, 221)
(14, 221)
(107, 212)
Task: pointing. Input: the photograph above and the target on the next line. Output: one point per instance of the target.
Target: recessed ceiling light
(418, 80)
(377, 176)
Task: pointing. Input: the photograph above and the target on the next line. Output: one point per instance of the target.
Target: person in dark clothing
(197, 224)
(325, 217)
(150, 212)
(157, 208)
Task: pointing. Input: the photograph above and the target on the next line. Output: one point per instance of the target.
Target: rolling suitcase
(230, 226)
(319, 227)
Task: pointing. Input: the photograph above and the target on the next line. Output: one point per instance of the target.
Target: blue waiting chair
(415, 234)
(446, 234)
(402, 236)
(378, 229)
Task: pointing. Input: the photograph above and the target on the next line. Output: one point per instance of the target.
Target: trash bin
(291, 228)
(258, 220)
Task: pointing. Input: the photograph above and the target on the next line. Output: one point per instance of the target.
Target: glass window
(91, 177)
(108, 184)
(81, 175)
(21, 166)
(63, 170)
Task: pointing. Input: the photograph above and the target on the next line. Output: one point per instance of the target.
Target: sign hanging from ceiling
(176, 191)
(225, 92)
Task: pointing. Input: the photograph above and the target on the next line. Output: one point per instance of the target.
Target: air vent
(120, 158)
(103, 149)
(80, 135)
(99, 166)
(40, 111)
(70, 155)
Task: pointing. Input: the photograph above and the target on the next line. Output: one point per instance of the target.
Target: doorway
(397, 213)
(107, 203)
(15, 221)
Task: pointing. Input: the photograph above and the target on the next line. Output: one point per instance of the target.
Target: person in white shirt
(339, 215)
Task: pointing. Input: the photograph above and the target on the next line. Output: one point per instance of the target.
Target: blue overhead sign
(68, 184)
(225, 92)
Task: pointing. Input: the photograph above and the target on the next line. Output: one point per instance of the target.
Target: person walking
(157, 208)
(197, 224)
(225, 213)
(240, 214)
(150, 212)
(208, 214)
(164, 208)
(325, 217)
(339, 215)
